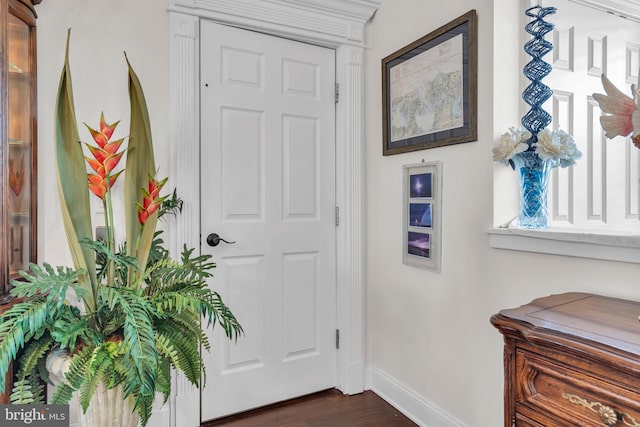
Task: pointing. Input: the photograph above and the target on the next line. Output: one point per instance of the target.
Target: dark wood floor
(325, 409)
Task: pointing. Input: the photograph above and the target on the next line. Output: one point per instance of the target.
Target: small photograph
(420, 215)
(419, 244)
(420, 185)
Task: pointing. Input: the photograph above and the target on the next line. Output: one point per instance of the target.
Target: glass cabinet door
(18, 131)
(19, 145)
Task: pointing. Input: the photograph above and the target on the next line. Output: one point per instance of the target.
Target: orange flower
(98, 183)
(106, 158)
(102, 137)
(151, 199)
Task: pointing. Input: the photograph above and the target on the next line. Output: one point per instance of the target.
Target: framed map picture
(422, 215)
(430, 91)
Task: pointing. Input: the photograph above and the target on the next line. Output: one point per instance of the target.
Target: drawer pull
(607, 414)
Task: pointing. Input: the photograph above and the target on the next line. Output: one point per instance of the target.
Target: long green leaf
(140, 164)
(72, 182)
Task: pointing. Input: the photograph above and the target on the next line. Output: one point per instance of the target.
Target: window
(596, 201)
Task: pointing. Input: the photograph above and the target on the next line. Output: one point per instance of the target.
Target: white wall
(430, 332)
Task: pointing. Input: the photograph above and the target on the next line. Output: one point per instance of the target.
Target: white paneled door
(268, 184)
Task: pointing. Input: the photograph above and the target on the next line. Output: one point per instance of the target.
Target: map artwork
(426, 91)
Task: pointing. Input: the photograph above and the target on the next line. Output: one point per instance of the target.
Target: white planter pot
(107, 408)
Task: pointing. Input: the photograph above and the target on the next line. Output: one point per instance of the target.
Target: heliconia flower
(98, 183)
(106, 158)
(102, 137)
(151, 199)
(109, 149)
(621, 108)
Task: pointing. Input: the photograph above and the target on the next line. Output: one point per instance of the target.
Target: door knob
(214, 239)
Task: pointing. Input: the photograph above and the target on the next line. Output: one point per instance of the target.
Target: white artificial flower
(558, 146)
(510, 144)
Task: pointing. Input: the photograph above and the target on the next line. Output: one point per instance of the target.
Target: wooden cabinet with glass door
(18, 150)
(18, 129)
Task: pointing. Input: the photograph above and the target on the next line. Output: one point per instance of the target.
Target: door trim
(339, 26)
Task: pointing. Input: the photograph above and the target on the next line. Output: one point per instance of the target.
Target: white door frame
(336, 24)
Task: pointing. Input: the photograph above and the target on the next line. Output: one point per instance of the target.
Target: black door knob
(214, 239)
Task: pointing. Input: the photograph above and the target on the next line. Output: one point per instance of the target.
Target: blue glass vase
(533, 173)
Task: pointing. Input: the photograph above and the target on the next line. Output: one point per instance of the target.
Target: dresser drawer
(522, 421)
(546, 389)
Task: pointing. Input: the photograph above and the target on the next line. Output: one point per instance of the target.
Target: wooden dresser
(571, 360)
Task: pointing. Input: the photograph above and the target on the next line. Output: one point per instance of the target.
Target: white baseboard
(405, 400)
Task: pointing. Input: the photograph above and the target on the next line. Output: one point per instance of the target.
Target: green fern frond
(166, 350)
(188, 323)
(181, 355)
(78, 367)
(144, 406)
(191, 270)
(63, 394)
(188, 280)
(28, 391)
(21, 393)
(182, 350)
(139, 338)
(163, 382)
(99, 370)
(33, 353)
(169, 301)
(38, 390)
(128, 378)
(18, 325)
(200, 299)
(216, 311)
(27, 387)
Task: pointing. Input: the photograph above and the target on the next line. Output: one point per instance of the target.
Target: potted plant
(139, 312)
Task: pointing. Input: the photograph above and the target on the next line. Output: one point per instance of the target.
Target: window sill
(611, 246)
